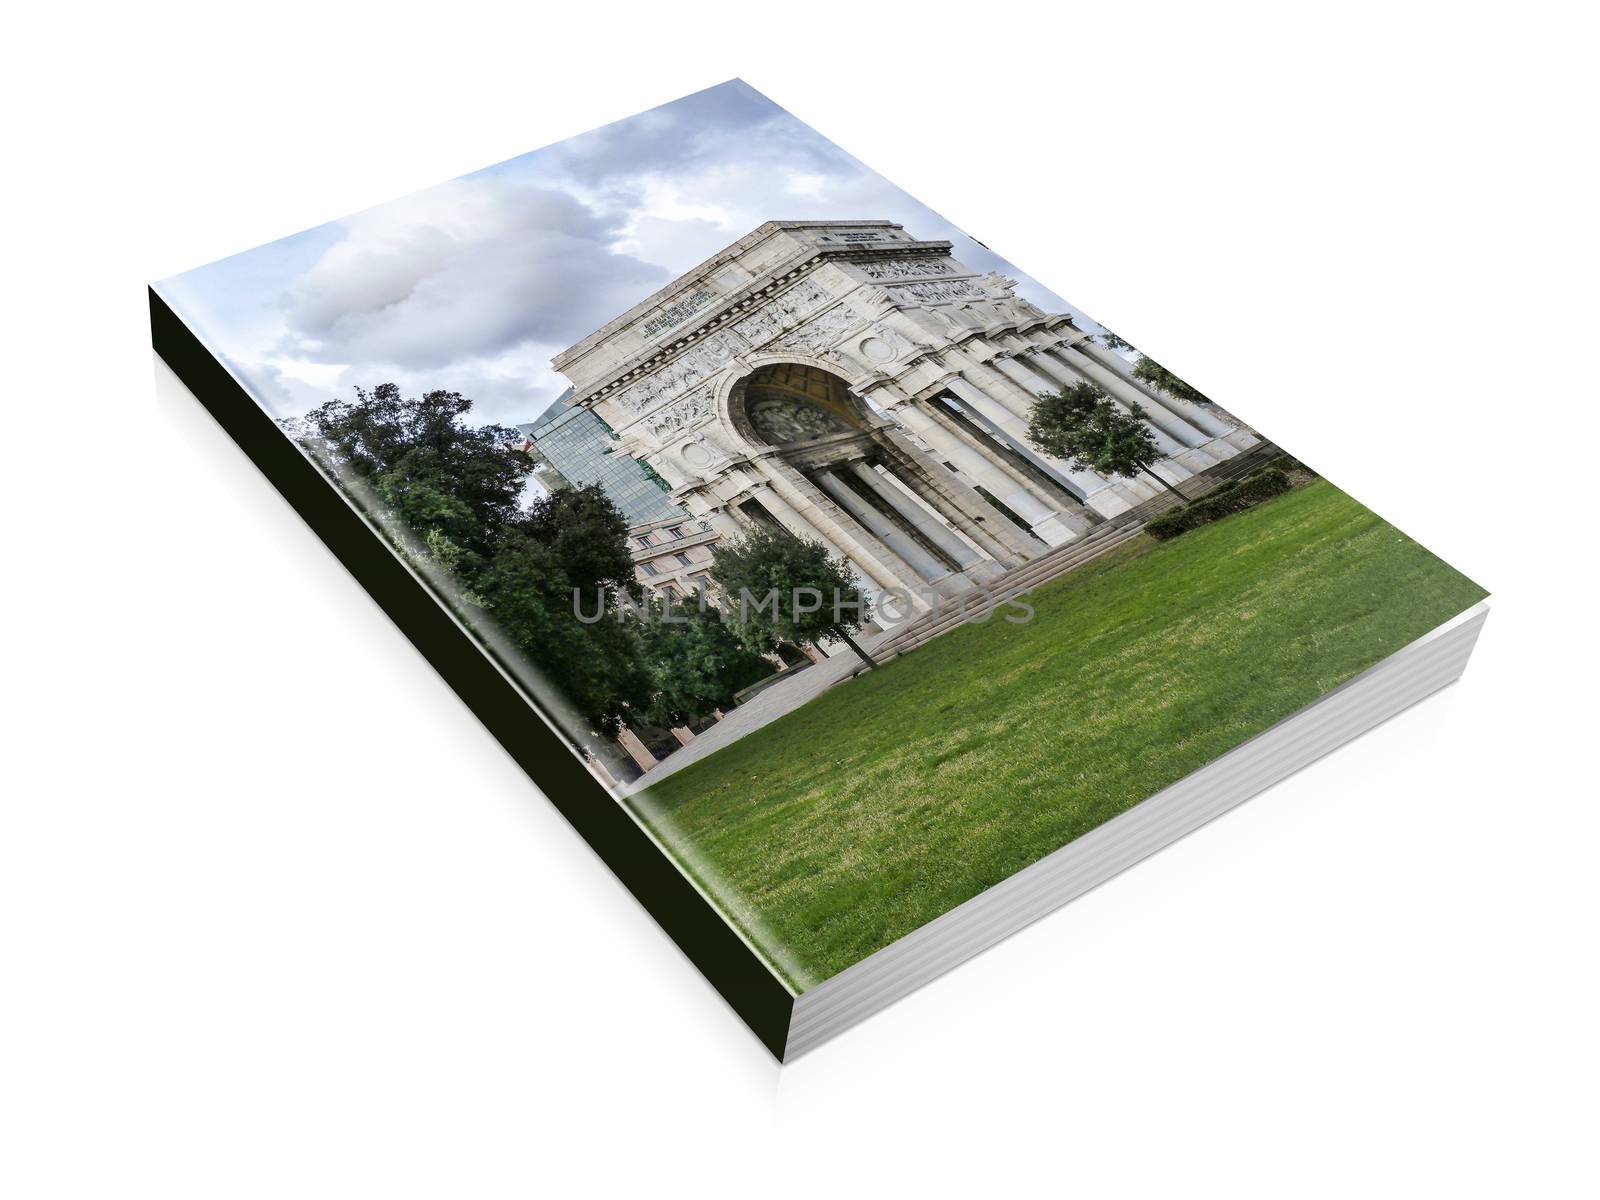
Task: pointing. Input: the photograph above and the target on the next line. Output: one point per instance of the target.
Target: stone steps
(1064, 559)
(979, 603)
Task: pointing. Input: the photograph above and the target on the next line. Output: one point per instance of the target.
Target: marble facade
(866, 389)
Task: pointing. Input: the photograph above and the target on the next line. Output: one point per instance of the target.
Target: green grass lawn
(889, 800)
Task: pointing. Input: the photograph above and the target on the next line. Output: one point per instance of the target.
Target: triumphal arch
(865, 389)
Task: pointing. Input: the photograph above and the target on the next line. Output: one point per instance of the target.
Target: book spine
(700, 931)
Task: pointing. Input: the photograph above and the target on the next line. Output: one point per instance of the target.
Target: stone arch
(732, 392)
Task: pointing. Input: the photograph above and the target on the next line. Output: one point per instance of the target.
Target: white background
(277, 917)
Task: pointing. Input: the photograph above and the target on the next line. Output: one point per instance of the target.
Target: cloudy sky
(473, 285)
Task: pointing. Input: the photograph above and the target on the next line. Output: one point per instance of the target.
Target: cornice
(739, 303)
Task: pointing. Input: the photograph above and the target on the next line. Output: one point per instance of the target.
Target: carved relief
(883, 344)
(941, 291)
(689, 368)
(780, 312)
(783, 419)
(819, 334)
(697, 406)
(877, 350)
(906, 268)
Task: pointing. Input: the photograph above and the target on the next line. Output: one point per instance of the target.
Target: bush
(1236, 497)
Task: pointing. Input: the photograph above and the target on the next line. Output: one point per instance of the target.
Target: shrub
(1236, 497)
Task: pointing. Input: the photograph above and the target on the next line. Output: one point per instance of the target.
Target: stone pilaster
(724, 522)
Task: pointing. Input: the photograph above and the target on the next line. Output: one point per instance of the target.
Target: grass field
(887, 801)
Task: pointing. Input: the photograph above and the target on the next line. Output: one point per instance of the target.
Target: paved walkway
(761, 709)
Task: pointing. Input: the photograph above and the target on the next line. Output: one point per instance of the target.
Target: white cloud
(473, 286)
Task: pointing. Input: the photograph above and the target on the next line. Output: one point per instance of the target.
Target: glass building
(578, 449)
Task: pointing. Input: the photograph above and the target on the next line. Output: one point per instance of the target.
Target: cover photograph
(855, 595)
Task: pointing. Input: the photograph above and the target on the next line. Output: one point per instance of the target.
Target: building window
(684, 560)
(649, 568)
(643, 539)
(675, 530)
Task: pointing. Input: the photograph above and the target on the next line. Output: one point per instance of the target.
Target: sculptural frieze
(695, 365)
(940, 291)
(905, 268)
(777, 314)
(697, 406)
(818, 335)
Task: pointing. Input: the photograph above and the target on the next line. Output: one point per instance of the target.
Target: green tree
(1080, 424)
(697, 662)
(429, 467)
(782, 588)
(456, 490)
(552, 608)
(1152, 372)
(1157, 376)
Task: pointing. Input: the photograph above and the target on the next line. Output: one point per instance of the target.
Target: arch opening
(784, 403)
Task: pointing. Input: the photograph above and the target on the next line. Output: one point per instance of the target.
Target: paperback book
(857, 597)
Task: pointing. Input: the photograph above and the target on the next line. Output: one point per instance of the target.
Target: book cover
(855, 595)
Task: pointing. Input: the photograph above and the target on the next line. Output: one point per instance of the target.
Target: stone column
(1023, 375)
(724, 522)
(996, 478)
(1111, 495)
(1165, 442)
(931, 570)
(878, 566)
(929, 526)
(1129, 394)
(1196, 414)
(947, 494)
(1012, 429)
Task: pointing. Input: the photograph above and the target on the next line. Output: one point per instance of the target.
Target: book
(857, 598)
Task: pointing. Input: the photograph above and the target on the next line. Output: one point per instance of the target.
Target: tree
(427, 465)
(1152, 372)
(455, 492)
(1157, 376)
(697, 662)
(534, 598)
(782, 588)
(1080, 424)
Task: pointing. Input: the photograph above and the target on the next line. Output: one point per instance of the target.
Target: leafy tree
(1153, 373)
(428, 466)
(588, 536)
(1081, 424)
(782, 588)
(456, 489)
(533, 592)
(696, 661)
(1157, 376)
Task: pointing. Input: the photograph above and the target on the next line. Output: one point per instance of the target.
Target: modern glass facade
(581, 449)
